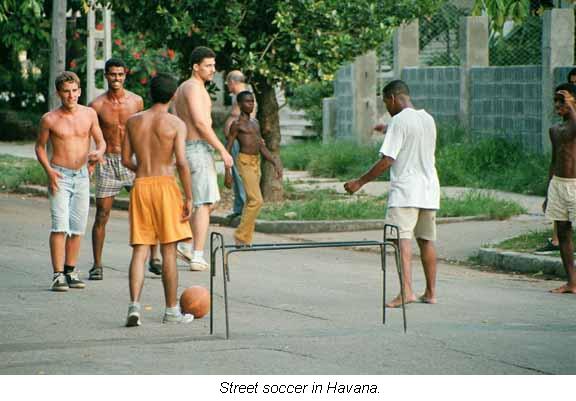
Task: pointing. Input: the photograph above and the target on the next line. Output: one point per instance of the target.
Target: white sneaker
(198, 264)
(183, 252)
(133, 318)
(179, 318)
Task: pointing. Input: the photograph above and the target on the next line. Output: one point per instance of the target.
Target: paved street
(297, 312)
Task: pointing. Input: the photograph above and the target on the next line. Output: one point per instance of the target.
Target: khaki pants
(249, 169)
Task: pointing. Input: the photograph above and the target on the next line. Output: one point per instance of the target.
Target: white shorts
(200, 157)
(561, 205)
(413, 222)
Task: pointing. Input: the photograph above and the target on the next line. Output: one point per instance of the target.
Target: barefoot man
(157, 213)
(414, 197)
(69, 129)
(193, 105)
(560, 201)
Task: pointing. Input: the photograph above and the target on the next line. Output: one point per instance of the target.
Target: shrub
(308, 97)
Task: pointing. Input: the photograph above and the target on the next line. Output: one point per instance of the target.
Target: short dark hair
(200, 53)
(114, 62)
(571, 88)
(162, 87)
(395, 87)
(572, 72)
(66, 76)
(242, 95)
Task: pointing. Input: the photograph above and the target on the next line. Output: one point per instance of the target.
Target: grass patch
(528, 242)
(16, 171)
(326, 205)
(491, 163)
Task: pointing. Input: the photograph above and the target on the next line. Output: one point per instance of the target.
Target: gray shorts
(200, 157)
(70, 204)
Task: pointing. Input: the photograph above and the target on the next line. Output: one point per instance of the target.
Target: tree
(273, 42)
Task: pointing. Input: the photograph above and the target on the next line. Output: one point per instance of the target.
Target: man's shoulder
(87, 111)
(98, 101)
(133, 96)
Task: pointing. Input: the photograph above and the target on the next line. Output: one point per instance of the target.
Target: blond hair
(66, 76)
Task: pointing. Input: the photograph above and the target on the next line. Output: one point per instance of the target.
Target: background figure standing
(408, 150)
(113, 107)
(247, 131)
(552, 244)
(560, 203)
(193, 105)
(235, 81)
(157, 213)
(69, 129)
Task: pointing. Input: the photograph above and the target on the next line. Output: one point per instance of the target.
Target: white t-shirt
(411, 141)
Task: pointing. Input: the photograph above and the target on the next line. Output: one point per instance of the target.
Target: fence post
(474, 52)
(94, 61)
(557, 51)
(406, 47)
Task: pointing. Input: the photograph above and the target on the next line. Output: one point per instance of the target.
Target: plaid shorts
(112, 176)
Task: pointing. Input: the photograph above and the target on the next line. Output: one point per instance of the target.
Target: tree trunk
(272, 188)
(57, 49)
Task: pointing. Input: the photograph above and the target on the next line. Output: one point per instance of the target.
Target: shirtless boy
(157, 213)
(69, 129)
(193, 105)
(113, 109)
(247, 131)
(561, 197)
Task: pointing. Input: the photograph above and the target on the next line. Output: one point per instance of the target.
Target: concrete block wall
(435, 89)
(507, 101)
(561, 74)
(343, 93)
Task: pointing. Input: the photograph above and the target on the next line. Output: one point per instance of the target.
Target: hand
(91, 168)
(228, 179)
(95, 157)
(381, 128)
(568, 98)
(227, 159)
(53, 177)
(352, 186)
(186, 210)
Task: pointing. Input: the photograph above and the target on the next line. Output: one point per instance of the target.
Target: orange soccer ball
(196, 301)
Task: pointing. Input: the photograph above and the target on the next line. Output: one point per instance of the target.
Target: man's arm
(376, 171)
(270, 157)
(96, 156)
(200, 117)
(182, 167)
(551, 134)
(42, 155)
(127, 151)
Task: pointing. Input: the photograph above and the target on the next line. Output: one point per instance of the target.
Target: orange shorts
(156, 212)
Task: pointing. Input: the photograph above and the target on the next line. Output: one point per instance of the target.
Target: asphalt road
(295, 312)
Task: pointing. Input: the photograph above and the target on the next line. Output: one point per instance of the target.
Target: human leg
(406, 261)
(238, 185)
(136, 273)
(154, 260)
(428, 257)
(249, 168)
(169, 274)
(567, 255)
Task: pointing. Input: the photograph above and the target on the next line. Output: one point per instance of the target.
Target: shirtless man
(247, 131)
(193, 105)
(69, 129)
(157, 213)
(560, 200)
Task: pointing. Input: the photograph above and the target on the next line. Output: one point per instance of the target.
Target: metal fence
(518, 44)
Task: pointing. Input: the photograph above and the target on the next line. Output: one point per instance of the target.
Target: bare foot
(565, 289)
(397, 302)
(427, 300)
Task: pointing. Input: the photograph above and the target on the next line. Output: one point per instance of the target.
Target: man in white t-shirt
(408, 150)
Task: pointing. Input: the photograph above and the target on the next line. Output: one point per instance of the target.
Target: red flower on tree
(171, 54)
(118, 42)
(99, 27)
(144, 81)
(73, 63)
(137, 55)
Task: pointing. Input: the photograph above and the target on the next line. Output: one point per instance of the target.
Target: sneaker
(59, 283)
(96, 273)
(198, 264)
(155, 266)
(179, 318)
(183, 252)
(547, 249)
(133, 319)
(74, 281)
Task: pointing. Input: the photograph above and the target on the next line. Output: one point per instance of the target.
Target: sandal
(96, 273)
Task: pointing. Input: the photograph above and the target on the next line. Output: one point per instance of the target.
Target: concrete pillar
(328, 119)
(96, 38)
(219, 82)
(557, 51)
(364, 86)
(57, 49)
(406, 47)
(474, 52)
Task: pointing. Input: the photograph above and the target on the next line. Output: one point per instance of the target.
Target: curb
(521, 262)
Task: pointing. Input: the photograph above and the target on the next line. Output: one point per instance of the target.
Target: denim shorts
(200, 157)
(69, 205)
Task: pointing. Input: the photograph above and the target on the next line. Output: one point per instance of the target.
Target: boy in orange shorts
(157, 213)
